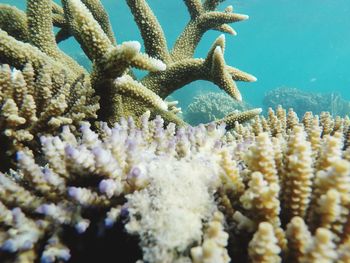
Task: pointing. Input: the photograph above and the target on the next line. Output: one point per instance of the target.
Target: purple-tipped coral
(276, 190)
(128, 167)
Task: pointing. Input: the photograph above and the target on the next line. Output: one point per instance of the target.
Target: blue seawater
(303, 44)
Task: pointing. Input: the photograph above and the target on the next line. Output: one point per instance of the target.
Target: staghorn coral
(32, 105)
(232, 206)
(276, 190)
(212, 106)
(32, 40)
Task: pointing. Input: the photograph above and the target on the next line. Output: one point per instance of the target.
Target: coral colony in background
(98, 167)
(302, 101)
(212, 106)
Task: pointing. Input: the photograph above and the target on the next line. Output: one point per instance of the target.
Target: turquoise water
(294, 43)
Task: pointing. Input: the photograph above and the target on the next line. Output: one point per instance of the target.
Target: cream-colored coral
(128, 164)
(299, 239)
(32, 105)
(322, 248)
(333, 183)
(309, 168)
(214, 243)
(261, 158)
(298, 174)
(263, 247)
(88, 23)
(262, 204)
(140, 177)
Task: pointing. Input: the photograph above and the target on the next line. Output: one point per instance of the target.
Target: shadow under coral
(97, 244)
(108, 245)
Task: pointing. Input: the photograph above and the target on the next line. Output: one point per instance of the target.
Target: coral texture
(31, 105)
(212, 106)
(140, 184)
(196, 194)
(42, 88)
(30, 39)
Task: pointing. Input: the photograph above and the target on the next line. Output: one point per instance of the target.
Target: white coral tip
(218, 50)
(159, 65)
(135, 45)
(222, 37)
(82, 226)
(229, 9)
(121, 80)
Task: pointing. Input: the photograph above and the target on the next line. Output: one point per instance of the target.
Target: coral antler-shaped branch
(41, 34)
(185, 71)
(97, 11)
(88, 22)
(86, 29)
(111, 62)
(41, 48)
(182, 68)
(151, 31)
(203, 18)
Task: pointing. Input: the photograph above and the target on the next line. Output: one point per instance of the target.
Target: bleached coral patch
(179, 196)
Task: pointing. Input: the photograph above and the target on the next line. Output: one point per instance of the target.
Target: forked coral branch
(30, 39)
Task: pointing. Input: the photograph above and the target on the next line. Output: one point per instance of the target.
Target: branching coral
(129, 170)
(32, 40)
(56, 90)
(237, 202)
(276, 190)
(31, 105)
(285, 169)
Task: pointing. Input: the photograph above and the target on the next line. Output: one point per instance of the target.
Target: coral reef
(302, 101)
(31, 40)
(54, 89)
(32, 105)
(134, 181)
(276, 190)
(212, 106)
